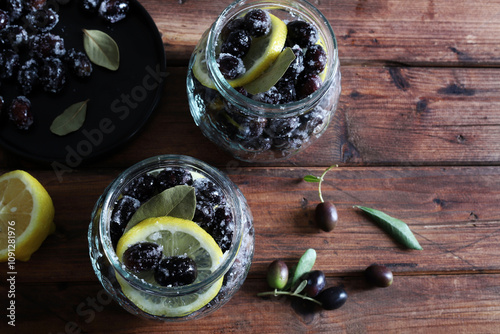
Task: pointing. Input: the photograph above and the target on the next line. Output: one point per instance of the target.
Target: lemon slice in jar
(177, 237)
(321, 43)
(200, 70)
(263, 52)
(26, 215)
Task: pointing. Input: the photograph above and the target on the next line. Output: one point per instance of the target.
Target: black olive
(326, 216)
(176, 271)
(142, 256)
(332, 298)
(379, 275)
(315, 282)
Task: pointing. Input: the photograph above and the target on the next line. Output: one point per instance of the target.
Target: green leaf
(101, 49)
(305, 265)
(312, 178)
(395, 227)
(301, 287)
(70, 120)
(273, 73)
(178, 201)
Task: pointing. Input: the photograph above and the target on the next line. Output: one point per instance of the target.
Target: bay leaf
(398, 229)
(272, 74)
(101, 49)
(70, 120)
(305, 265)
(178, 201)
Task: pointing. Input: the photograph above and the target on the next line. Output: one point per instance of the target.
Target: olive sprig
(326, 216)
(295, 293)
(316, 179)
(311, 283)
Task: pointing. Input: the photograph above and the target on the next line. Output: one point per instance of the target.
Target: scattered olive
(332, 298)
(277, 274)
(326, 216)
(379, 275)
(315, 282)
(20, 113)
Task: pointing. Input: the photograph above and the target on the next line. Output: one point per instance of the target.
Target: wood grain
(432, 304)
(452, 211)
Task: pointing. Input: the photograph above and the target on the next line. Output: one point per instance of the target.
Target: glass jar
(112, 274)
(242, 125)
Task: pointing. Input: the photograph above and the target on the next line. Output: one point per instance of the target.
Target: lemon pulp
(26, 214)
(177, 237)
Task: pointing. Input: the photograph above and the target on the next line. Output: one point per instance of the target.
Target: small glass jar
(251, 130)
(234, 265)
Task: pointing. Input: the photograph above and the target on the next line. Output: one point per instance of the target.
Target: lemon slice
(26, 215)
(177, 237)
(200, 69)
(321, 42)
(263, 52)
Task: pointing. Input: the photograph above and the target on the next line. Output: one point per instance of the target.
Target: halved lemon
(26, 215)
(263, 52)
(177, 237)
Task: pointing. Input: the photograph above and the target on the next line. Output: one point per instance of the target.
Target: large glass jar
(242, 124)
(130, 291)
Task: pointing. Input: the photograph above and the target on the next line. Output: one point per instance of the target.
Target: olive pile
(33, 57)
(168, 271)
(311, 287)
(312, 284)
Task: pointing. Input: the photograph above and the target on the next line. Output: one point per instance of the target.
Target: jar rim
(154, 163)
(303, 9)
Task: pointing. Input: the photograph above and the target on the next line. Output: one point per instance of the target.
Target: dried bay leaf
(178, 201)
(70, 120)
(395, 227)
(101, 49)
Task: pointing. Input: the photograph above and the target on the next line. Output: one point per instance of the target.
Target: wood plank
(452, 211)
(414, 304)
(386, 116)
(419, 33)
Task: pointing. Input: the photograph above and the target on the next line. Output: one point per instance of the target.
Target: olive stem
(321, 180)
(276, 292)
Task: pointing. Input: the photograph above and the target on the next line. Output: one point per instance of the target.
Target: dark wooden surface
(416, 135)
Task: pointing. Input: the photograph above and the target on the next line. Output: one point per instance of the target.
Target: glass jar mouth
(151, 164)
(298, 8)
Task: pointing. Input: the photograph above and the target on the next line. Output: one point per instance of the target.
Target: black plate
(120, 101)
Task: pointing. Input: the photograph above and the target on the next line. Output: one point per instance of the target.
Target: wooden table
(416, 134)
